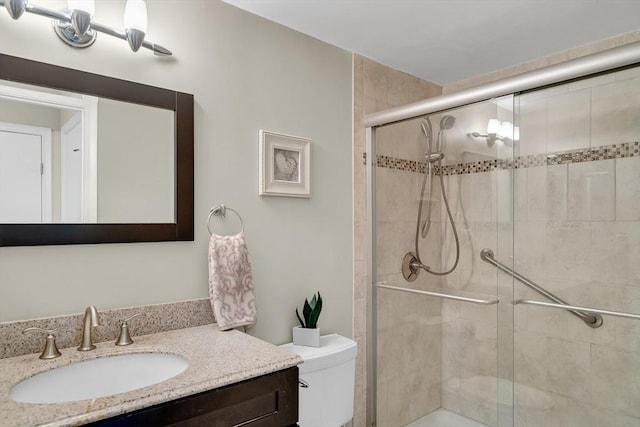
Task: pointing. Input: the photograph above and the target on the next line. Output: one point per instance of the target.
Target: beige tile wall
(577, 232)
(409, 333)
(376, 87)
(568, 388)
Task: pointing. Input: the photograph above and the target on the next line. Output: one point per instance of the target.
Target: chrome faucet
(90, 320)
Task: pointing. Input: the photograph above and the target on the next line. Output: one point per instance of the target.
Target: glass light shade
(516, 133)
(135, 15)
(493, 127)
(88, 6)
(506, 130)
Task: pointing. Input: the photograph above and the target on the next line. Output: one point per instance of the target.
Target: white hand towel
(231, 282)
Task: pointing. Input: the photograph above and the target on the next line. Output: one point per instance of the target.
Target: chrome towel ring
(221, 211)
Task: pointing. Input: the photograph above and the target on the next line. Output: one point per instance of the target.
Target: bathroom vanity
(232, 379)
(269, 400)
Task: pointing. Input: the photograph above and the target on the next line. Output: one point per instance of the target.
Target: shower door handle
(575, 307)
(440, 295)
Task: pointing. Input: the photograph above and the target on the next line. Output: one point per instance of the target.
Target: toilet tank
(328, 372)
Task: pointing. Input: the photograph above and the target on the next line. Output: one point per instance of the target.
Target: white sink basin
(101, 377)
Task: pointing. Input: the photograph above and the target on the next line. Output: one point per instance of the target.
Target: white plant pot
(306, 336)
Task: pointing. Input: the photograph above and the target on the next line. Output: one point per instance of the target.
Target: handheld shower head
(425, 124)
(447, 122)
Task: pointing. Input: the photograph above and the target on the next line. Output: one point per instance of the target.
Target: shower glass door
(577, 234)
(444, 345)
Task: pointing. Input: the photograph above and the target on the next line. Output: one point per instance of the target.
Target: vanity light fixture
(499, 131)
(75, 26)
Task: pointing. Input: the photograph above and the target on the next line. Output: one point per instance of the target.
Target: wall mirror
(86, 158)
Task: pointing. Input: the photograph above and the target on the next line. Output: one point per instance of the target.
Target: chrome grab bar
(592, 319)
(575, 307)
(439, 295)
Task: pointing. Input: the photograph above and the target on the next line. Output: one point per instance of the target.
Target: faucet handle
(50, 348)
(125, 336)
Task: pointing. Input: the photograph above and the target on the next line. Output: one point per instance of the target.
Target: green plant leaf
(306, 310)
(312, 320)
(300, 319)
(313, 302)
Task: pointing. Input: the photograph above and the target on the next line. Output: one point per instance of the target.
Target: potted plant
(308, 333)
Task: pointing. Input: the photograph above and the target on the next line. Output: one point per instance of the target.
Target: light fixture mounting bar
(62, 27)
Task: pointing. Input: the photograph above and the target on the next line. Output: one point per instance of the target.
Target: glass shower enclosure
(506, 259)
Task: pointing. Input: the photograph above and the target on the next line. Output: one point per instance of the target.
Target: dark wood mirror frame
(51, 76)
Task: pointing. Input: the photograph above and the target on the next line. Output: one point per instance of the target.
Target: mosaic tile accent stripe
(615, 151)
(400, 164)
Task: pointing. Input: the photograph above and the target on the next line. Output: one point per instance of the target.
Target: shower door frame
(605, 61)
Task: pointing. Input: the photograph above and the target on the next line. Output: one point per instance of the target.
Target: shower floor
(443, 418)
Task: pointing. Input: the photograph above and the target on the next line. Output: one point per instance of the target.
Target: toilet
(327, 379)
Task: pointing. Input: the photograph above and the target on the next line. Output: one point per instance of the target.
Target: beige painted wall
(135, 163)
(246, 74)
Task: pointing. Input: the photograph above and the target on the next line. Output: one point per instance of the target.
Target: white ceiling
(444, 41)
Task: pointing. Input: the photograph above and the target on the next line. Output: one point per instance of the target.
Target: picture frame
(285, 165)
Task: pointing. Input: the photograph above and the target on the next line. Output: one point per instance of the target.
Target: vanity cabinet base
(267, 401)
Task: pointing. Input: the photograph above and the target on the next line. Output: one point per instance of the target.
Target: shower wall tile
(377, 87)
(401, 197)
(476, 275)
(615, 112)
(568, 364)
(593, 295)
(410, 379)
(520, 195)
(591, 191)
(530, 249)
(568, 121)
(611, 385)
(359, 318)
(627, 193)
(532, 119)
(592, 82)
(504, 195)
(547, 193)
(478, 398)
(630, 73)
(567, 252)
(627, 333)
(615, 253)
(413, 145)
(478, 193)
(397, 87)
(420, 89)
(382, 206)
(375, 80)
(565, 238)
(387, 138)
(544, 321)
(393, 238)
(535, 408)
(530, 352)
(537, 193)
(369, 104)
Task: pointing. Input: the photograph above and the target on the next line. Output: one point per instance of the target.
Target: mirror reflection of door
(25, 174)
(71, 170)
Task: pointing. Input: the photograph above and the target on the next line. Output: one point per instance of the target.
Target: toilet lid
(334, 349)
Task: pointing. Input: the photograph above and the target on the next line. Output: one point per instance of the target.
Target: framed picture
(285, 165)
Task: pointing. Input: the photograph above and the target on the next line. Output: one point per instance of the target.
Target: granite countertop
(215, 359)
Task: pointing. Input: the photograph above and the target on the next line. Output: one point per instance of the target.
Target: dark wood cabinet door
(267, 401)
